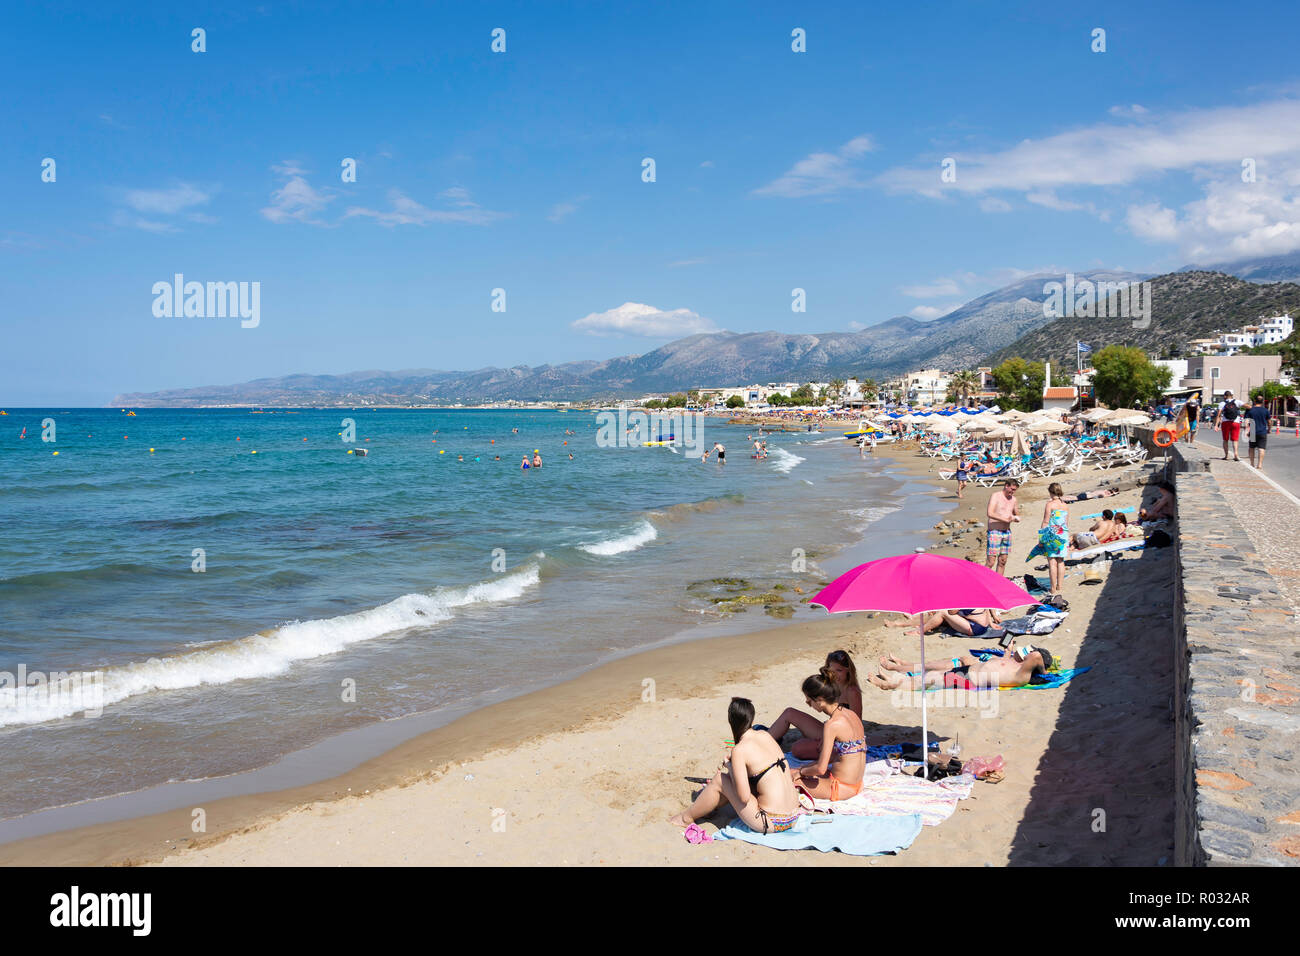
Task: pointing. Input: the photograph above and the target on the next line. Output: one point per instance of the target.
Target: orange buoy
(1167, 434)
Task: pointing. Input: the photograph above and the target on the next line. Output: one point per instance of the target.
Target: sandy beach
(587, 772)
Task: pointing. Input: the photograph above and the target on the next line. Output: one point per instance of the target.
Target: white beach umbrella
(1046, 426)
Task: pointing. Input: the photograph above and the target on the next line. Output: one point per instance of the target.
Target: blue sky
(522, 170)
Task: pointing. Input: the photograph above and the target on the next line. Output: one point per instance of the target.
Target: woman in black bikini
(765, 801)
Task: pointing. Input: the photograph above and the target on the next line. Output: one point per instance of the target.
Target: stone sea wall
(1238, 775)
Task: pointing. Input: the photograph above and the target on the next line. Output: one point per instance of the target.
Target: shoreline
(131, 838)
(571, 774)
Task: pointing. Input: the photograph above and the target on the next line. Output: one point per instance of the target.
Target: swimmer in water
(524, 464)
(570, 456)
(537, 460)
(460, 457)
(497, 458)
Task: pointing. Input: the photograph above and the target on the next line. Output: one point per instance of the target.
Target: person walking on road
(1258, 416)
(1227, 420)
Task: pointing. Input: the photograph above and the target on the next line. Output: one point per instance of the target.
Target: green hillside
(1185, 305)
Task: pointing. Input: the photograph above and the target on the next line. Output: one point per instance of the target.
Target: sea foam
(639, 536)
(266, 654)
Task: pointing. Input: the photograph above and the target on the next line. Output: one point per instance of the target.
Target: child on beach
(765, 802)
(840, 671)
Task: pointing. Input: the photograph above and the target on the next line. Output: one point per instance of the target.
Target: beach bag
(1159, 539)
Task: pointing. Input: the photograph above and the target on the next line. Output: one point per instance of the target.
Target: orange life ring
(1169, 437)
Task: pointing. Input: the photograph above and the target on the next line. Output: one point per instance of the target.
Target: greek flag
(1083, 346)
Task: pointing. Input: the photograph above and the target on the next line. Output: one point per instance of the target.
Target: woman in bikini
(840, 671)
(837, 773)
(753, 779)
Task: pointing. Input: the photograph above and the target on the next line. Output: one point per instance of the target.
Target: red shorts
(1231, 430)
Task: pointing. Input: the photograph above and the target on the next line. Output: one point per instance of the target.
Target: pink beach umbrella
(917, 584)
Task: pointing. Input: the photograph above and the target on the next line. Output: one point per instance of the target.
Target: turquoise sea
(230, 586)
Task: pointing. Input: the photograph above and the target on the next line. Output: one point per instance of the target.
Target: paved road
(1281, 460)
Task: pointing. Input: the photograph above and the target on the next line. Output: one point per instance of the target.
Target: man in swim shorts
(1228, 421)
(965, 671)
(1003, 509)
(722, 452)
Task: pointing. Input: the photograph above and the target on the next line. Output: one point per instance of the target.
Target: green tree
(1020, 384)
(1272, 394)
(1125, 377)
(962, 386)
(654, 403)
(1288, 348)
(675, 401)
(869, 388)
(735, 402)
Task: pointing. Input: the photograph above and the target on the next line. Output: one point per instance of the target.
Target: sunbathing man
(1100, 532)
(1085, 495)
(765, 802)
(840, 671)
(1011, 670)
(837, 774)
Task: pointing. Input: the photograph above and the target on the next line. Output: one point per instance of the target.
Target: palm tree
(964, 384)
(835, 388)
(868, 389)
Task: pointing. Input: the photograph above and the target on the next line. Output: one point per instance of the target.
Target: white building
(927, 387)
(1265, 332)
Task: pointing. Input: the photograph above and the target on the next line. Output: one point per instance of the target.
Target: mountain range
(1007, 321)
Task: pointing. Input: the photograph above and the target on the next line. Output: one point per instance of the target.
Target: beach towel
(1055, 679)
(932, 800)
(855, 835)
(1038, 623)
(1052, 541)
(1114, 511)
(1123, 544)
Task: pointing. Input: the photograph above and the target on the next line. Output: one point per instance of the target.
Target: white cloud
(927, 312)
(1139, 149)
(563, 210)
(297, 200)
(166, 202)
(1110, 154)
(123, 218)
(682, 263)
(1234, 220)
(154, 205)
(405, 211)
(707, 164)
(821, 174)
(1153, 221)
(633, 318)
(993, 204)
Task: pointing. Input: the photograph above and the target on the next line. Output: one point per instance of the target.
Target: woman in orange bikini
(837, 773)
(840, 671)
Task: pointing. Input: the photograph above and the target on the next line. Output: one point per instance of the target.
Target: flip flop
(697, 834)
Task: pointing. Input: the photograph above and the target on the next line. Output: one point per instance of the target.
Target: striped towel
(933, 800)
